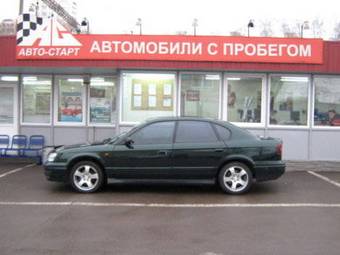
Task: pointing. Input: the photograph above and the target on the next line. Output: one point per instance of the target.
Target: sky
(215, 17)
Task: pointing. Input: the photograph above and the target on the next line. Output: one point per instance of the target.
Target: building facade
(7, 27)
(74, 101)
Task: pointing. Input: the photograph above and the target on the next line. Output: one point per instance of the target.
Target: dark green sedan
(190, 149)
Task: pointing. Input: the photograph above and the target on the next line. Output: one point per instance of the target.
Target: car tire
(235, 178)
(87, 177)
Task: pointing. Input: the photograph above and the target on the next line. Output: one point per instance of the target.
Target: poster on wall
(153, 95)
(152, 101)
(100, 106)
(167, 90)
(152, 89)
(167, 102)
(71, 107)
(137, 101)
(137, 89)
(97, 93)
(193, 95)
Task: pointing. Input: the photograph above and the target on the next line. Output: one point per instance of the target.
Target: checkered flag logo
(27, 23)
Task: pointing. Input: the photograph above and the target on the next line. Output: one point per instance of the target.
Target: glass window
(7, 83)
(102, 100)
(244, 99)
(157, 133)
(327, 101)
(36, 96)
(6, 105)
(195, 132)
(200, 95)
(147, 95)
(288, 100)
(70, 99)
(223, 132)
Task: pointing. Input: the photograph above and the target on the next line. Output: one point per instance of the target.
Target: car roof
(156, 119)
(211, 120)
(235, 129)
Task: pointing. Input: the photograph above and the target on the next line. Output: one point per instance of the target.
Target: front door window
(157, 133)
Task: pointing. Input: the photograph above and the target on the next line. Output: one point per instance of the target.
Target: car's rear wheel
(86, 177)
(235, 178)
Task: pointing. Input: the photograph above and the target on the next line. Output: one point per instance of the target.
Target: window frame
(122, 91)
(220, 98)
(316, 127)
(113, 122)
(56, 101)
(22, 101)
(303, 127)
(263, 76)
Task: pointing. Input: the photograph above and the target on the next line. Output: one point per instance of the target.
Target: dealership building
(72, 98)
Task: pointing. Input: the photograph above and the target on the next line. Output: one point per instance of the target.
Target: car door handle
(163, 153)
(219, 150)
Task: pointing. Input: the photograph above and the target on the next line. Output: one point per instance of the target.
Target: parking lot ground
(8, 166)
(335, 176)
(296, 214)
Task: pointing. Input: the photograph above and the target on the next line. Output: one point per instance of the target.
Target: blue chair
(18, 144)
(4, 144)
(35, 146)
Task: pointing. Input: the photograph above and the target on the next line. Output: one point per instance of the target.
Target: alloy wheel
(236, 178)
(86, 177)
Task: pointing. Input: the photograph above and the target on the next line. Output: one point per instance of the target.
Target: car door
(150, 153)
(197, 150)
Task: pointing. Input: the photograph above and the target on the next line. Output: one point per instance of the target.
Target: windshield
(112, 139)
(115, 138)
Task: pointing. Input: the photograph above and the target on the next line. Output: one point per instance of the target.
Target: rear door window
(195, 132)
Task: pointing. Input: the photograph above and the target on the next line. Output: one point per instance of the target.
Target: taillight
(279, 149)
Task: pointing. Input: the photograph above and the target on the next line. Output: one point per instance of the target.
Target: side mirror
(129, 143)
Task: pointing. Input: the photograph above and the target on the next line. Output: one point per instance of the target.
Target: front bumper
(265, 171)
(56, 172)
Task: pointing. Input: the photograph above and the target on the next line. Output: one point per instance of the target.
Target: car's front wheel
(86, 177)
(235, 178)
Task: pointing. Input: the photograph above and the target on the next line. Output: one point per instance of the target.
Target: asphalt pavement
(296, 214)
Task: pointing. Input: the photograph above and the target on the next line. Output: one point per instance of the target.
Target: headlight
(51, 156)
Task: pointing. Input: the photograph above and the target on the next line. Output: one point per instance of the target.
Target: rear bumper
(266, 171)
(55, 172)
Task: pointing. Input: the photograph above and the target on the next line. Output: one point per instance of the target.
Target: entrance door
(8, 109)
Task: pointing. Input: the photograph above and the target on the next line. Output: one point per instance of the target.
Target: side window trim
(214, 131)
(175, 132)
(213, 126)
(218, 135)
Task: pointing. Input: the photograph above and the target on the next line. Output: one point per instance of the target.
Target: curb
(317, 166)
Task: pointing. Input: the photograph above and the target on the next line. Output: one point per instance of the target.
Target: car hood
(78, 146)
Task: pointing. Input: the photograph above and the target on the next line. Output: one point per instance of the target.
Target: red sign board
(53, 42)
